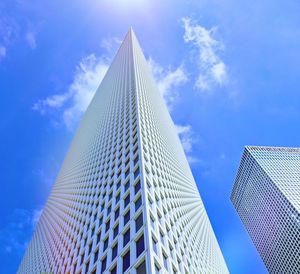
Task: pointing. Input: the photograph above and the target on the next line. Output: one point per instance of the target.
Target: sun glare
(123, 5)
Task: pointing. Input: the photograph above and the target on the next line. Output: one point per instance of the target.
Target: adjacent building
(125, 200)
(266, 195)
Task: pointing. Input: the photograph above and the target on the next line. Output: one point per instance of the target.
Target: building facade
(266, 195)
(125, 200)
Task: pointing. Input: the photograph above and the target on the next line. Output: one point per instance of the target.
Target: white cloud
(30, 39)
(73, 103)
(219, 72)
(9, 29)
(8, 33)
(88, 75)
(36, 216)
(184, 133)
(54, 101)
(168, 80)
(15, 235)
(2, 52)
(212, 70)
(187, 139)
(110, 43)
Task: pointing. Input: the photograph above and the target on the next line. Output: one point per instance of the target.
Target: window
(154, 243)
(152, 221)
(114, 270)
(119, 172)
(136, 173)
(98, 236)
(171, 249)
(127, 161)
(117, 213)
(87, 266)
(136, 159)
(105, 244)
(119, 182)
(141, 269)
(118, 198)
(157, 269)
(162, 236)
(116, 231)
(126, 237)
(126, 173)
(165, 261)
(96, 255)
(140, 245)
(138, 203)
(103, 264)
(102, 206)
(137, 187)
(126, 186)
(139, 222)
(90, 248)
(107, 224)
(100, 220)
(108, 210)
(126, 200)
(114, 251)
(126, 217)
(126, 261)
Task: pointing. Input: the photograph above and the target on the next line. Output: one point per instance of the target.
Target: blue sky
(229, 72)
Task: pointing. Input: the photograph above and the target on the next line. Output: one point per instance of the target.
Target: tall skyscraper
(125, 200)
(266, 195)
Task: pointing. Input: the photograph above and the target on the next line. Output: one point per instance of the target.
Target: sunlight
(123, 5)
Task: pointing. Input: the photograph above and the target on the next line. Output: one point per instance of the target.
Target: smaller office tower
(266, 195)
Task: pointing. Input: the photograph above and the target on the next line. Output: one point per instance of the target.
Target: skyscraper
(125, 200)
(266, 195)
